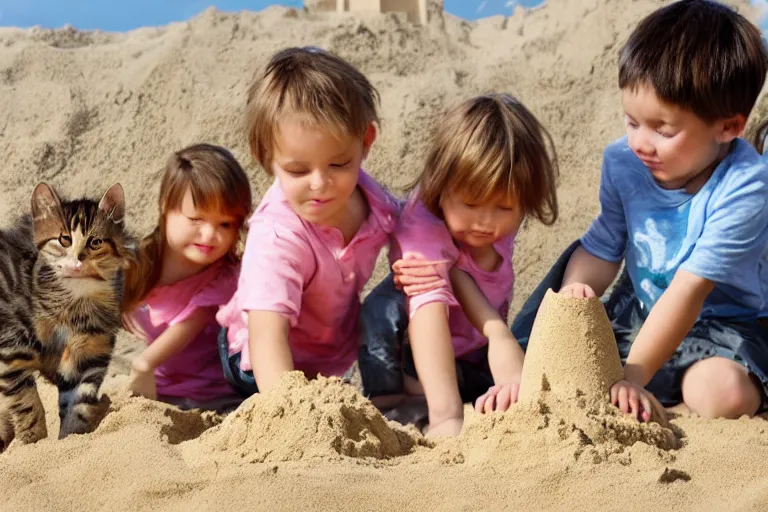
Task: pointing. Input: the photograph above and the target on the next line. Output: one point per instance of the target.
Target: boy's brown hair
(316, 86)
(487, 147)
(697, 54)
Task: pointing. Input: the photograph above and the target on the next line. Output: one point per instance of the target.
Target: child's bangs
(216, 196)
(337, 123)
(209, 195)
(487, 179)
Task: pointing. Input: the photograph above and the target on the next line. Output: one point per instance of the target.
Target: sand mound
(568, 436)
(572, 351)
(172, 425)
(301, 419)
(571, 363)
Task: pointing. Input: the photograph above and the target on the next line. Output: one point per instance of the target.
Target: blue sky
(119, 15)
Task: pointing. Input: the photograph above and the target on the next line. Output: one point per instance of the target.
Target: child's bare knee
(720, 388)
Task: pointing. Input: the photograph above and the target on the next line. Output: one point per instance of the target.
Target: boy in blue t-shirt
(684, 203)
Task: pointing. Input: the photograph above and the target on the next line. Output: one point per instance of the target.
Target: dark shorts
(242, 381)
(385, 355)
(743, 342)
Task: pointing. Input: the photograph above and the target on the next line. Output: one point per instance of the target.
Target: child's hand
(577, 291)
(498, 398)
(505, 359)
(448, 428)
(633, 399)
(142, 380)
(414, 275)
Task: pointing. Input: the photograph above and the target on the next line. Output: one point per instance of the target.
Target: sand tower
(415, 9)
(572, 353)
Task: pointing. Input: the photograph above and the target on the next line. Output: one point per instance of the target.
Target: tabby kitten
(61, 284)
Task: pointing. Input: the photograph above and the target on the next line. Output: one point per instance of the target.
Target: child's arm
(172, 341)
(426, 251)
(505, 356)
(269, 350)
(667, 325)
(435, 363)
(596, 262)
(585, 269)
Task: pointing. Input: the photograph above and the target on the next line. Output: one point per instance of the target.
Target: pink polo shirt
(196, 371)
(421, 232)
(305, 273)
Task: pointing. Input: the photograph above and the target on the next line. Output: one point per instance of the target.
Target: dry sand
(83, 110)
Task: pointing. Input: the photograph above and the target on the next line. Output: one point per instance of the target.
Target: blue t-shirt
(719, 233)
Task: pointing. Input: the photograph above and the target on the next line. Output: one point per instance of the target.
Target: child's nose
(639, 143)
(318, 180)
(207, 231)
(485, 217)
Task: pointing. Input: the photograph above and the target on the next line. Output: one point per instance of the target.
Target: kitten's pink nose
(72, 267)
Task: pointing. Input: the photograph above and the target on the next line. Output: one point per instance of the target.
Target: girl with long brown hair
(183, 271)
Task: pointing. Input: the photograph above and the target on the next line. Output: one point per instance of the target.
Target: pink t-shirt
(421, 232)
(196, 371)
(305, 273)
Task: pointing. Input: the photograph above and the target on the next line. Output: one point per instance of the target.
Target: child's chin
(197, 257)
(319, 218)
(477, 243)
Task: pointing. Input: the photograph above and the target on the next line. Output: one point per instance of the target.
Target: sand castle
(570, 365)
(572, 353)
(415, 9)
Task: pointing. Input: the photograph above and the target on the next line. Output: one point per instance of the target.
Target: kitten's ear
(113, 203)
(47, 216)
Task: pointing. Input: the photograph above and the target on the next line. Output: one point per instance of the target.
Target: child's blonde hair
(217, 183)
(487, 147)
(319, 88)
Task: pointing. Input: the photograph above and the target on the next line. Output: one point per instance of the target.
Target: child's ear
(732, 127)
(368, 139)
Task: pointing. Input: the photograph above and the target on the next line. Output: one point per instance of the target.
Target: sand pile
(172, 425)
(563, 407)
(570, 365)
(324, 418)
(572, 351)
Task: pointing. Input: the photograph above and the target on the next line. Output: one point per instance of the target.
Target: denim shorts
(743, 342)
(385, 354)
(242, 381)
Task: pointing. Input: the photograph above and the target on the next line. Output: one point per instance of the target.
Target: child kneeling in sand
(313, 241)
(184, 271)
(683, 204)
(487, 169)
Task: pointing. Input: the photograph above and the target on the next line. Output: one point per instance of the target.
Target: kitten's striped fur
(61, 283)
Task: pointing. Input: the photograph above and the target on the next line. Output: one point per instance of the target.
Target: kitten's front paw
(32, 435)
(7, 432)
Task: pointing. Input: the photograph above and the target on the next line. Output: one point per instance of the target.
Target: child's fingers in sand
(578, 291)
(499, 398)
(448, 428)
(632, 400)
